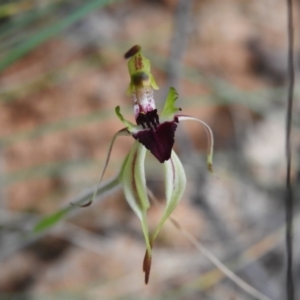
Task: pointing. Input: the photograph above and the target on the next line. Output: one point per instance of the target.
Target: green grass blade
(47, 33)
(56, 217)
(51, 220)
(25, 19)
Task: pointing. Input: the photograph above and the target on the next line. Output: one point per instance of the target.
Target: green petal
(169, 109)
(132, 128)
(133, 180)
(175, 182)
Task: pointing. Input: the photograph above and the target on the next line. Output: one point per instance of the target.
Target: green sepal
(169, 109)
(175, 183)
(133, 180)
(210, 137)
(139, 68)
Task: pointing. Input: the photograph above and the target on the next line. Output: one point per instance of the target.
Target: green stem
(54, 218)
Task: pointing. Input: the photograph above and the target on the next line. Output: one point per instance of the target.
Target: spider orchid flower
(155, 133)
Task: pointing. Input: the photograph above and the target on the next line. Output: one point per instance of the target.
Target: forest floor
(57, 119)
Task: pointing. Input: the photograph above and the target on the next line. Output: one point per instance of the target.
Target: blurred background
(62, 73)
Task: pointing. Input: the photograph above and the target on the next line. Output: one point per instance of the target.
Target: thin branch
(21, 240)
(213, 259)
(182, 22)
(289, 202)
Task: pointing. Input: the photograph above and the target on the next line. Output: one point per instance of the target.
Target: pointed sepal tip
(147, 266)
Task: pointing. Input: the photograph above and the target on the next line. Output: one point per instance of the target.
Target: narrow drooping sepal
(133, 180)
(159, 141)
(210, 137)
(147, 265)
(175, 183)
(122, 132)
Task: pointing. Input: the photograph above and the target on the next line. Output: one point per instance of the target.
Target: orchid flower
(155, 133)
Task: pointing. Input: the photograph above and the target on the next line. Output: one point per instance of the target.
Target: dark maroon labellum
(156, 137)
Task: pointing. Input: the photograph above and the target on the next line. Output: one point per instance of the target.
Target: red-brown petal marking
(147, 266)
(132, 51)
(138, 62)
(159, 141)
